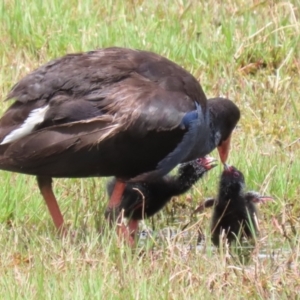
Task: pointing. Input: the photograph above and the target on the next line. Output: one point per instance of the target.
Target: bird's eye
(236, 174)
(199, 160)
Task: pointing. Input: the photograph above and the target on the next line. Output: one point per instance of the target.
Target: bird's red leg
(133, 226)
(115, 199)
(113, 212)
(45, 186)
(124, 233)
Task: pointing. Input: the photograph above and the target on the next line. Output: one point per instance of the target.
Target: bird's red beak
(224, 150)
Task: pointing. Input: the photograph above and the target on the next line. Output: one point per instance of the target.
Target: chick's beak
(226, 167)
(210, 162)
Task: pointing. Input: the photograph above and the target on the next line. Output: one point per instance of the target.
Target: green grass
(246, 50)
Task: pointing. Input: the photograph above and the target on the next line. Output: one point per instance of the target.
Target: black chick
(234, 211)
(143, 199)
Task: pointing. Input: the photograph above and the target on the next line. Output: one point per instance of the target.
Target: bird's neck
(187, 177)
(206, 139)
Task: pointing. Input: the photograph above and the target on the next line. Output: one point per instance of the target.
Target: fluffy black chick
(143, 199)
(235, 211)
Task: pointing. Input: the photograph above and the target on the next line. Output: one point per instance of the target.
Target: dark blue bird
(116, 112)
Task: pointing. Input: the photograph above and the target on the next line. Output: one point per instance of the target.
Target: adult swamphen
(111, 112)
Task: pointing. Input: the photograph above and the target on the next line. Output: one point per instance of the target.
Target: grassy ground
(246, 50)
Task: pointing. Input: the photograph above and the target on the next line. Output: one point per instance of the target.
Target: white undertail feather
(34, 118)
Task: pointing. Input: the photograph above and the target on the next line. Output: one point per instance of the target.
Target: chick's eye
(236, 174)
(199, 160)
